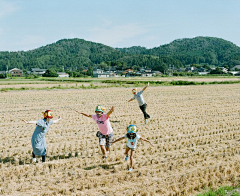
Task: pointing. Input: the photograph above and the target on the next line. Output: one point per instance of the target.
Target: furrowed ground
(194, 129)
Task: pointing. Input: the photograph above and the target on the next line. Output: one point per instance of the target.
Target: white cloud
(112, 35)
(7, 7)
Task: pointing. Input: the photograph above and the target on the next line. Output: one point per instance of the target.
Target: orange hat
(47, 114)
(134, 90)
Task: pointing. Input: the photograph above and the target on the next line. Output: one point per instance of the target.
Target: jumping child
(38, 140)
(105, 133)
(132, 137)
(141, 102)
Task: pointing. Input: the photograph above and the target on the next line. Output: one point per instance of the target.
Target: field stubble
(195, 130)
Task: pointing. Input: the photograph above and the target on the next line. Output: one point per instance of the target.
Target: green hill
(71, 53)
(77, 54)
(198, 50)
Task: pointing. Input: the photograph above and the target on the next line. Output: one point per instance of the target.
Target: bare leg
(126, 151)
(103, 149)
(131, 159)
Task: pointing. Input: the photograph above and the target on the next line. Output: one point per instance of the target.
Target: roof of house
(62, 73)
(15, 69)
(236, 66)
(37, 69)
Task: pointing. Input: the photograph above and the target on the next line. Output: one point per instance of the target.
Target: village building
(99, 73)
(37, 71)
(236, 67)
(63, 75)
(15, 72)
(147, 73)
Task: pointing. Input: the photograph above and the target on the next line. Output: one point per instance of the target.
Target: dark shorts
(104, 140)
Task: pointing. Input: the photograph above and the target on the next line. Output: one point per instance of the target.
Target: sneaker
(126, 158)
(130, 169)
(104, 157)
(145, 121)
(34, 160)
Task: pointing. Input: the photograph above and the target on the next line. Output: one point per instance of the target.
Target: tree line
(77, 55)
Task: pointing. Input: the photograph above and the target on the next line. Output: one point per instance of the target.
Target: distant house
(63, 75)
(201, 69)
(234, 73)
(224, 70)
(147, 73)
(236, 67)
(181, 69)
(157, 73)
(203, 73)
(111, 69)
(37, 71)
(15, 72)
(138, 73)
(99, 73)
(237, 74)
(113, 74)
(191, 69)
(2, 72)
(129, 71)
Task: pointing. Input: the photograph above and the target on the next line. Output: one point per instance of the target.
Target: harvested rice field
(194, 129)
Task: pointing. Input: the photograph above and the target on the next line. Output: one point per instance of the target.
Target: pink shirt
(103, 124)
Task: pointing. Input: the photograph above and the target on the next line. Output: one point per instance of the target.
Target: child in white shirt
(132, 137)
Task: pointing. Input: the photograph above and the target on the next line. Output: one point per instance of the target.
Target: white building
(99, 73)
(37, 71)
(63, 75)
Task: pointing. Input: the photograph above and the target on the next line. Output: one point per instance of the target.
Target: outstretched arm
(119, 139)
(29, 122)
(145, 87)
(146, 141)
(130, 99)
(87, 115)
(110, 111)
(90, 116)
(55, 121)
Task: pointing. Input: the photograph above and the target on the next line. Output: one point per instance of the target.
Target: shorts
(133, 149)
(104, 140)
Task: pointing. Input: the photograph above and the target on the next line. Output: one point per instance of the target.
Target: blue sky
(30, 24)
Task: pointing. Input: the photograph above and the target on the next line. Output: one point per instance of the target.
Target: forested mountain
(70, 53)
(77, 54)
(198, 50)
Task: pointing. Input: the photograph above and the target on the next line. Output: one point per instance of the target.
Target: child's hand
(24, 121)
(112, 109)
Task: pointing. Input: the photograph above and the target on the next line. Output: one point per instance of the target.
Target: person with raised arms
(38, 140)
(105, 133)
(142, 104)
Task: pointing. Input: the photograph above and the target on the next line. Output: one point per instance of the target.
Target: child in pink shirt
(105, 133)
